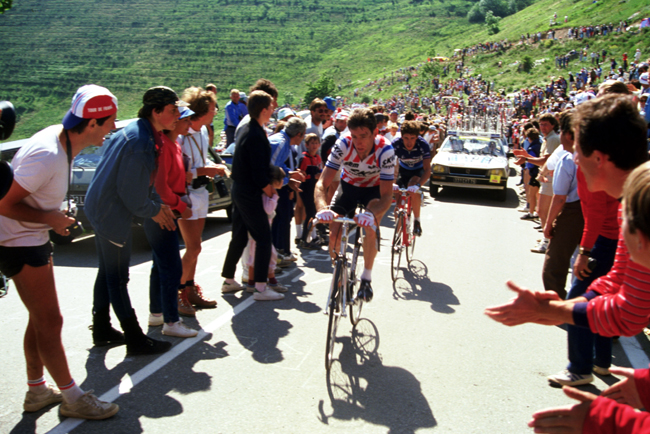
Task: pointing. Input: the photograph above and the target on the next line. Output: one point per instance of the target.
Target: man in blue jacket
(235, 112)
(121, 191)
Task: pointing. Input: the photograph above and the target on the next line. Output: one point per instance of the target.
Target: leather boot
(137, 343)
(103, 333)
(195, 296)
(185, 308)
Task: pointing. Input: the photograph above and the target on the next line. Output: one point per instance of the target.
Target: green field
(51, 48)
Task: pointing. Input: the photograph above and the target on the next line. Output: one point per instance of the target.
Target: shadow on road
(414, 284)
(469, 196)
(361, 387)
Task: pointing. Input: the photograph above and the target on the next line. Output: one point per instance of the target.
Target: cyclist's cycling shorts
(405, 175)
(347, 197)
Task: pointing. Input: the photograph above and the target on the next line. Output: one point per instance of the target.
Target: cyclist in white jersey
(367, 161)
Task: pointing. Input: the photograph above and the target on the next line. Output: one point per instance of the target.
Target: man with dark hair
(368, 169)
(119, 192)
(610, 140)
(250, 175)
(235, 112)
(27, 212)
(414, 156)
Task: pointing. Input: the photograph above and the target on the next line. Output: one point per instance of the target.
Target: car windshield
(89, 157)
(473, 145)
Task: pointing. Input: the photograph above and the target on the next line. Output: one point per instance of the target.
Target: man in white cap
(28, 211)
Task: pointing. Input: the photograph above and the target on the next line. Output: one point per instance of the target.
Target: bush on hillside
(527, 64)
(323, 87)
(475, 15)
(498, 7)
(492, 23)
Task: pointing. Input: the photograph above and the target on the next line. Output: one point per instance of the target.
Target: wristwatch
(584, 252)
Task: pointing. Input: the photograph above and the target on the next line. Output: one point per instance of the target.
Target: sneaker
(283, 262)
(227, 288)
(528, 216)
(185, 308)
(89, 407)
(524, 208)
(541, 247)
(37, 401)
(267, 295)
(365, 291)
(155, 320)
(417, 229)
(179, 330)
(538, 227)
(567, 378)
(601, 371)
(291, 257)
(103, 337)
(196, 297)
(250, 288)
(312, 245)
(278, 287)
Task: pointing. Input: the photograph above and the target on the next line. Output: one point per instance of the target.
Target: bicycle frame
(404, 207)
(342, 260)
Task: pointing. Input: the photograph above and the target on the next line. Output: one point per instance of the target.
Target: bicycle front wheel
(355, 305)
(396, 249)
(335, 311)
(410, 241)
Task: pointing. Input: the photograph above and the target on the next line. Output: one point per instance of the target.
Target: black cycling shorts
(405, 175)
(347, 197)
(12, 259)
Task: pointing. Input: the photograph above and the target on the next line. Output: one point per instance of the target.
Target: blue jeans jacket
(120, 189)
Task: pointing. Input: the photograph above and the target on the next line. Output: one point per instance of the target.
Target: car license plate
(79, 200)
(465, 180)
(495, 179)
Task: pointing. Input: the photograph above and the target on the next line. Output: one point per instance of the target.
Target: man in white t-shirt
(28, 211)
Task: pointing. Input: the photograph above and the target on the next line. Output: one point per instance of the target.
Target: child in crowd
(277, 178)
(312, 166)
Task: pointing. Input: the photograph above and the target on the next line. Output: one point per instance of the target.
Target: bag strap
(68, 147)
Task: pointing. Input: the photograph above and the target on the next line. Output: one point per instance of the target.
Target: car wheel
(434, 190)
(60, 239)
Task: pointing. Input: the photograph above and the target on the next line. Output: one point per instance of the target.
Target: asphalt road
(424, 358)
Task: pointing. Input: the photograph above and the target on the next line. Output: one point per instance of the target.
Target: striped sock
(71, 392)
(37, 386)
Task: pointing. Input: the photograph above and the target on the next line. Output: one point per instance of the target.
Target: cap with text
(90, 102)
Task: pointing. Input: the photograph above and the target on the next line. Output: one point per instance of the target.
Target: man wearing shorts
(414, 156)
(368, 170)
(27, 212)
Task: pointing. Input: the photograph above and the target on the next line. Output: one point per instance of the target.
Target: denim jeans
(582, 341)
(166, 271)
(113, 277)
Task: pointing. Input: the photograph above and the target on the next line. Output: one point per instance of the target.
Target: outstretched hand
(526, 307)
(565, 420)
(625, 391)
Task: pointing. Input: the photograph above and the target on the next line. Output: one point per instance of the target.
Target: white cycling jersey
(379, 165)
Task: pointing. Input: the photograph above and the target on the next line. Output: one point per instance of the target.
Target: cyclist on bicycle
(368, 169)
(414, 169)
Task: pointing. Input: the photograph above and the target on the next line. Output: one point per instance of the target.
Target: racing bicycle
(344, 283)
(403, 238)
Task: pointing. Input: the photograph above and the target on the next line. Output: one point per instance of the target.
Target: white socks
(71, 392)
(366, 275)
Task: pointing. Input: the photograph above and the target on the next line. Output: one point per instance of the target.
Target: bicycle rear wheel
(396, 248)
(410, 241)
(355, 305)
(335, 311)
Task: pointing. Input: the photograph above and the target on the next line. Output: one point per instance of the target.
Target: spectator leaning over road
(119, 193)
(201, 170)
(610, 142)
(565, 222)
(27, 212)
(167, 267)
(250, 176)
(614, 411)
(312, 166)
(235, 112)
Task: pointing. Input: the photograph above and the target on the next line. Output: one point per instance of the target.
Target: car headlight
(437, 168)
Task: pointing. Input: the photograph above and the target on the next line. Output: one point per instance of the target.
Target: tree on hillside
(498, 7)
(492, 23)
(475, 15)
(320, 89)
(5, 5)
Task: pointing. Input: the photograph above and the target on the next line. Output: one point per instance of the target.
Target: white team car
(471, 160)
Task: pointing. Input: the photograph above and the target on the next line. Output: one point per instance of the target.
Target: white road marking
(128, 383)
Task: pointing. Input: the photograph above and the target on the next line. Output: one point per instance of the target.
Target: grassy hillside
(51, 48)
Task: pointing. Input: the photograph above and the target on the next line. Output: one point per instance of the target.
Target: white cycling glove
(365, 218)
(413, 188)
(325, 215)
(395, 187)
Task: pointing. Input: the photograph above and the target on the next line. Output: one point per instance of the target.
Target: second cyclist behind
(414, 169)
(368, 170)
